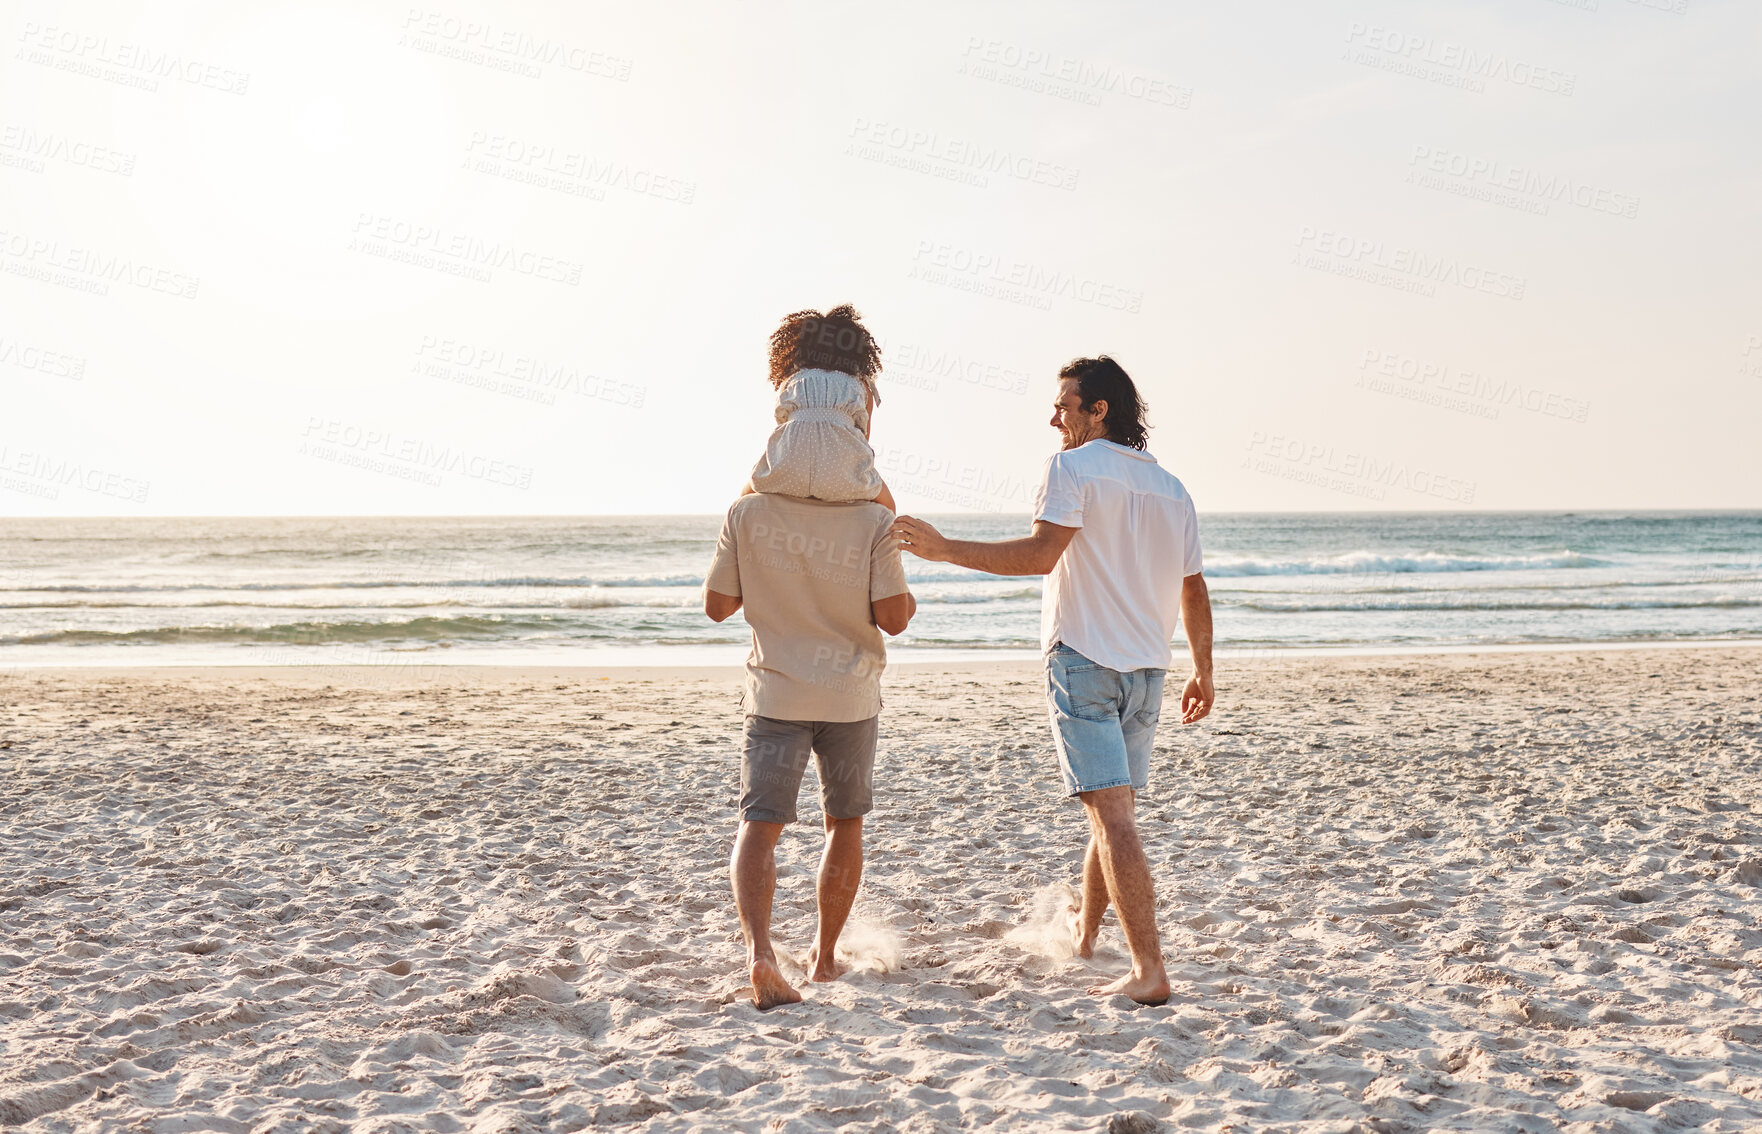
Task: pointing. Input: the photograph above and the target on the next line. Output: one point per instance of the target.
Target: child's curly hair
(835, 340)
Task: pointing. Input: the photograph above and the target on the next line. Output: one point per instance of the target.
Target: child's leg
(885, 498)
(747, 489)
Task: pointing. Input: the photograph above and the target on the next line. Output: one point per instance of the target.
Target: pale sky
(523, 258)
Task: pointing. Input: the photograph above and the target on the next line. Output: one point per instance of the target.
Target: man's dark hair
(1101, 379)
(835, 340)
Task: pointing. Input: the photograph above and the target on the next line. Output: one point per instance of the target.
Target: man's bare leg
(1085, 919)
(1114, 828)
(841, 872)
(753, 872)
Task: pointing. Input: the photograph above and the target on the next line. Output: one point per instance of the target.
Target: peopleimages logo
(86, 269)
(434, 247)
(518, 375)
(505, 49)
(1409, 262)
(33, 472)
(25, 148)
(1464, 391)
(564, 169)
(929, 151)
(29, 356)
(1023, 281)
(799, 552)
(406, 458)
(1485, 177)
(130, 64)
(1063, 76)
(955, 482)
(1451, 64)
(1360, 474)
(925, 368)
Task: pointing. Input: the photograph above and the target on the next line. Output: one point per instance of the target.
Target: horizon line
(1562, 512)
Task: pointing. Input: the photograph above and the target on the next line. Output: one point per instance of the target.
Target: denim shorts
(1103, 721)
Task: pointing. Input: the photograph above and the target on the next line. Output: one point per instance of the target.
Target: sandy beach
(1398, 894)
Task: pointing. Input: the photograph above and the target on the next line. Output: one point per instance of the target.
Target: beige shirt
(806, 572)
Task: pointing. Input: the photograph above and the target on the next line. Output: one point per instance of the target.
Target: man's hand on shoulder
(920, 538)
(1035, 554)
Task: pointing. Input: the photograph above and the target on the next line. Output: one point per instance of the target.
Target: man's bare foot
(1084, 946)
(819, 972)
(1151, 989)
(769, 987)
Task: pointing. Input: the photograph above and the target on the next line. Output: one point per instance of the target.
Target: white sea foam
(276, 591)
(1373, 563)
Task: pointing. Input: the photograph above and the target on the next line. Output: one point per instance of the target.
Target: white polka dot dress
(818, 448)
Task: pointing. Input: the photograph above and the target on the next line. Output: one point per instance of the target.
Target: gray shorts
(777, 755)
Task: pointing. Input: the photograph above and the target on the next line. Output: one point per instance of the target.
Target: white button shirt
(1115, 595)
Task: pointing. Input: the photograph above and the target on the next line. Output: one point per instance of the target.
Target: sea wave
(1221, 566)
(964, 598)
(82, 604)
(586, 602)
(680, 580)
(1376, 563)
(465, 628)
(1472, 605)
(1424, 585)
(963, 642)
(612, 602)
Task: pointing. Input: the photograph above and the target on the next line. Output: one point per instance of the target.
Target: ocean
(625, 590)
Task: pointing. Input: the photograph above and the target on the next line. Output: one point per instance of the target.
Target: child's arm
(885, 499)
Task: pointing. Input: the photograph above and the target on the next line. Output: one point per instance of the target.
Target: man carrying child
(819, 579)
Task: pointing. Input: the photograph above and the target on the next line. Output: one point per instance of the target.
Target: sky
(523, 258)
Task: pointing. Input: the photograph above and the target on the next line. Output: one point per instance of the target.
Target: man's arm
(1035, 554)
(894, 613)
(720, 606)
(1198, 696)
(724, 570)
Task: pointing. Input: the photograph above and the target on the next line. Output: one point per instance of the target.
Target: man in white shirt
(1117, 537)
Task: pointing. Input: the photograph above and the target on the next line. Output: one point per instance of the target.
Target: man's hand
(1035, 554)
(1197, 698)
(920, 539)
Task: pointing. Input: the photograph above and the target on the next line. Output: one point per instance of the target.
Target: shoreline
(948, 660)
